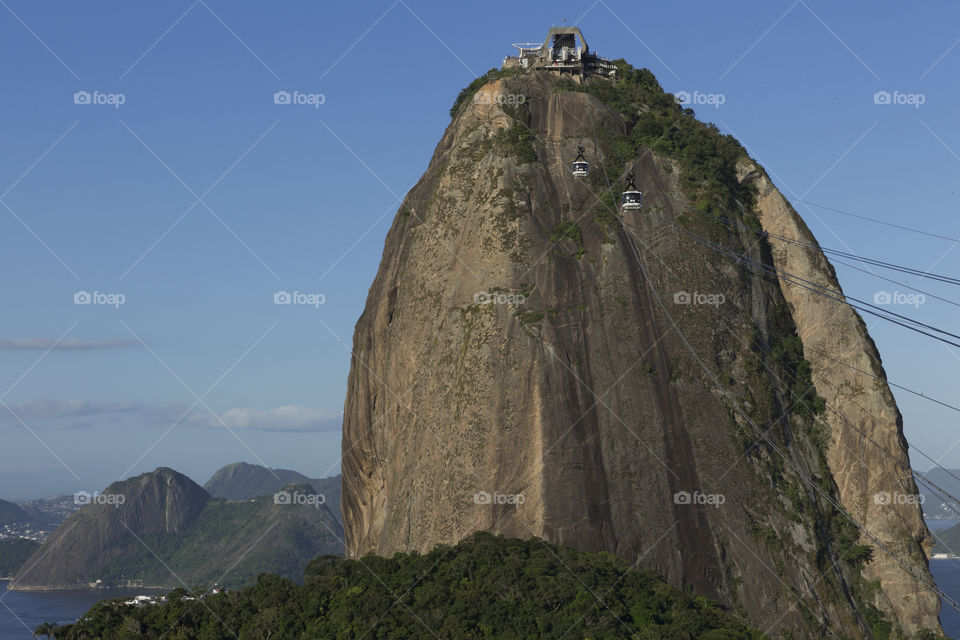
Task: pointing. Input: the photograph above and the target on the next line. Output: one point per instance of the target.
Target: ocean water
(22, 611)
(947, 575)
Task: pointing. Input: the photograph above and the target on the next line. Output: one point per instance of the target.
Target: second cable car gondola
(632, 198)
(580, 166)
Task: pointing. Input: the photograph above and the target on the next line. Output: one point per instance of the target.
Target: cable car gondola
(632, 198)
(580, 166)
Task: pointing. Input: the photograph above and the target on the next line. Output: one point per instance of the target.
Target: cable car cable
(882, 222)
(830, 293)
(930, 584)
(851, 256)
(787, 459)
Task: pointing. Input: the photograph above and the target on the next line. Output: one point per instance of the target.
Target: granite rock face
(867, 453)
(526, 365)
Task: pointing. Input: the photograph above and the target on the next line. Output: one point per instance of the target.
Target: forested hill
(484, 587)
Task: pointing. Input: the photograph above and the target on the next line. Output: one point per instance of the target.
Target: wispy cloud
(291, 417)
(72, 413)
(68, 344)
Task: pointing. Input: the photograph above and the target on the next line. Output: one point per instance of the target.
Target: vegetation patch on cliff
(568, 231)
(654, 120)
(517, 139)
(468, 92)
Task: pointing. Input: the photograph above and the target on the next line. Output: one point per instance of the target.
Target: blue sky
(198, 197)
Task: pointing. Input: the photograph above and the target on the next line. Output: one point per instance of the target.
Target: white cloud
(291, 417)
(52, 409)
(72, 413)
(67, 344)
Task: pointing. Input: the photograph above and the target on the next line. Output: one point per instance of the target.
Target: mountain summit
(163, 529)
(534, 360)
(243, 481)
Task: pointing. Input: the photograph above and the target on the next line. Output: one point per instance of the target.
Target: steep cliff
(528, 365)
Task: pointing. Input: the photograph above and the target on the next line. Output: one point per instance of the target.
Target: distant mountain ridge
(936, 506)
(26, 521)
(244, 481)
(11, 513)
(163, 529)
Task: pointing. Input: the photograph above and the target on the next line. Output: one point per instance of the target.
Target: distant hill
(161, 528)
(52, 511)
(936, 507)
(12, 514)
(13, 553)
(242, 481)
(948, 540)
(17, 522)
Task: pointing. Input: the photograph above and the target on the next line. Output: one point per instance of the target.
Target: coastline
(80, 587)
